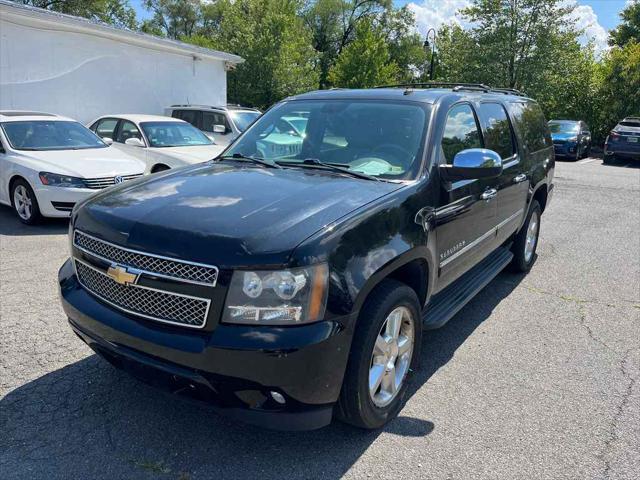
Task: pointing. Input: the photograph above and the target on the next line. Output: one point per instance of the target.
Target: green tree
(629, 28)
(276, 46)
(115, 12)
(365, 62)
(173, 18)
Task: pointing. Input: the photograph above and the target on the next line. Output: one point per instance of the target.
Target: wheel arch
(12, 180)
(159, 167)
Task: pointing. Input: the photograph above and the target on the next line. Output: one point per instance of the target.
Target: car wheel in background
(385, 349)
(526, 241)
(24, 202)
(159, 168)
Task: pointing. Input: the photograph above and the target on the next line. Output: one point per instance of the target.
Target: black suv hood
(225, 214)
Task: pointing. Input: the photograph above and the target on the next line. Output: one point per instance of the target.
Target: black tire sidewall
(357, 406)
(519, 262)
(35, 208)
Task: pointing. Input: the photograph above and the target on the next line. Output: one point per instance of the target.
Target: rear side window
(532, 125)
(190, 116)
(498, 135)
(460, 132)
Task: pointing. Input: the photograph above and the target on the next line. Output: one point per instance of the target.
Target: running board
(445, 304)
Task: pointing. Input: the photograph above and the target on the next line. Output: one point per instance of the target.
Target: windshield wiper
(259, 161)
(314, 162)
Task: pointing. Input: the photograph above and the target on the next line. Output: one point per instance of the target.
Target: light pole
(432, 44)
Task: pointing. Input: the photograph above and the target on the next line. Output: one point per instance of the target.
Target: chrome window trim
(131, 312)
(161, 275)
(478, 240)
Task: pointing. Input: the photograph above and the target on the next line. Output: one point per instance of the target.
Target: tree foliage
(115, 12)
(629, 28)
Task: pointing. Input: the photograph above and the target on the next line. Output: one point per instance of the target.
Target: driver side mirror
(107, 140)
(471, 164)
(219, 129)
(134, 142)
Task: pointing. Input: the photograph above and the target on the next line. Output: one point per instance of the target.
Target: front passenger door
(466, 218)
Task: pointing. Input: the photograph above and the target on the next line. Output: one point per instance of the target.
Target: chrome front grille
(104, 182)
(153, 264)
(153, 304)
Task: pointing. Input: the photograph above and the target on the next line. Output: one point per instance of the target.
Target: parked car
(571, 138)
(48, 163)
(623, 141)
(285, 291)
(161, 142)
(222, 124)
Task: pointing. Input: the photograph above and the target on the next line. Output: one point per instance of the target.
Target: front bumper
(565, 149)
(234, 368)
(59, 201)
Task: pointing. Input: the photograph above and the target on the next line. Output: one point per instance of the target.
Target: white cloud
(586, 19)
(435, 13)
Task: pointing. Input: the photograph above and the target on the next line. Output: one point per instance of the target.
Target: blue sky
(597, 16)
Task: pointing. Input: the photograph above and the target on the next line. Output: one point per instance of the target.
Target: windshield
(243, 119)
(564, 127)
(50, 135)
(378, 138)
(173, 134)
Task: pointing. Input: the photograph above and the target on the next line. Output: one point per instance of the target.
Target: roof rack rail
(456, 86)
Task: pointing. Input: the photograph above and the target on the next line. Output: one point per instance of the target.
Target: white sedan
(161, 142)
(48, 163)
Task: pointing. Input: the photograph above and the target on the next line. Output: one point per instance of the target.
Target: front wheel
(385, 349)
(526, 242)
(25, 203)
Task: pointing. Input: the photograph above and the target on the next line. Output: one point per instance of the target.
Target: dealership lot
(538, 377)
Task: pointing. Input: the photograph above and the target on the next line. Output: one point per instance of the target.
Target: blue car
(623, 141)
(571, 138)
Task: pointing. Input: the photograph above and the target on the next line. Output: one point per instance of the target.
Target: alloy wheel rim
(391, 356)
(532, 237)
(23, 203)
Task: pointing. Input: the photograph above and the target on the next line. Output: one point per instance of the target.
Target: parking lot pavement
(538, 377)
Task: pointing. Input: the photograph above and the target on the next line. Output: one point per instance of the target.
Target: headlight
(56, 180)
(283, 297)
(572, 139)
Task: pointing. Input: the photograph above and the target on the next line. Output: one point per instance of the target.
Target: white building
(75, 67)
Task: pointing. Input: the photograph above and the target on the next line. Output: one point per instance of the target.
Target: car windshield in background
(564, 127)
(377, 138)
(174, 134)
(243, 119)
(50, 135)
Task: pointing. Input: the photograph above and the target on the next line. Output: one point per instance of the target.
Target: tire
(357, 406)
(25, 203)
(524, 255)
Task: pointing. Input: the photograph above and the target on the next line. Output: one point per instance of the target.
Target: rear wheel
(526, 242)
(385, 349)
(25, 203)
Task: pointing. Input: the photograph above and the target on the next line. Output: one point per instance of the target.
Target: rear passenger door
(466, 217)
(513, 184)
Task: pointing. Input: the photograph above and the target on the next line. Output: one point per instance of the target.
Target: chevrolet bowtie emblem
(121, 275)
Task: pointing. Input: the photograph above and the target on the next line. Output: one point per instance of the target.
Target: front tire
(526, 241)
(25, 203)
(385, 349)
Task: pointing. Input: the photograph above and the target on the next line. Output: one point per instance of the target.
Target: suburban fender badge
(121, 275)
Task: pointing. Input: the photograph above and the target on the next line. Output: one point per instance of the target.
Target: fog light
(277, 397)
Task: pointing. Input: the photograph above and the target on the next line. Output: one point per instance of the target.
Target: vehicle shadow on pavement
(622, 163)
(11, 226)
(92, 420)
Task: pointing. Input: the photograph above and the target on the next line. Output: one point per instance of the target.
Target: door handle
(489, 194)
(520, 178)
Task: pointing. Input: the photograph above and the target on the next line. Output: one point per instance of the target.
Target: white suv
(221, 124)
(48, 163)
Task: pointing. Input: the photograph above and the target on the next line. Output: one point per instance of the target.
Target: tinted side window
(128, 130)
(460, 132)
(209, 119)
(532, 126)
(497, 135)
(190, 116)
(106, 128)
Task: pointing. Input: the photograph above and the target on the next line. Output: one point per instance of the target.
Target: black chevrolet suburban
(290, 290)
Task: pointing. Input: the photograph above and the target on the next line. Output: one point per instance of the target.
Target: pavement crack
(620, 410)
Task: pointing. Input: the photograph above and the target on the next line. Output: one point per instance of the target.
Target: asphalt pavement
(538, 377)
